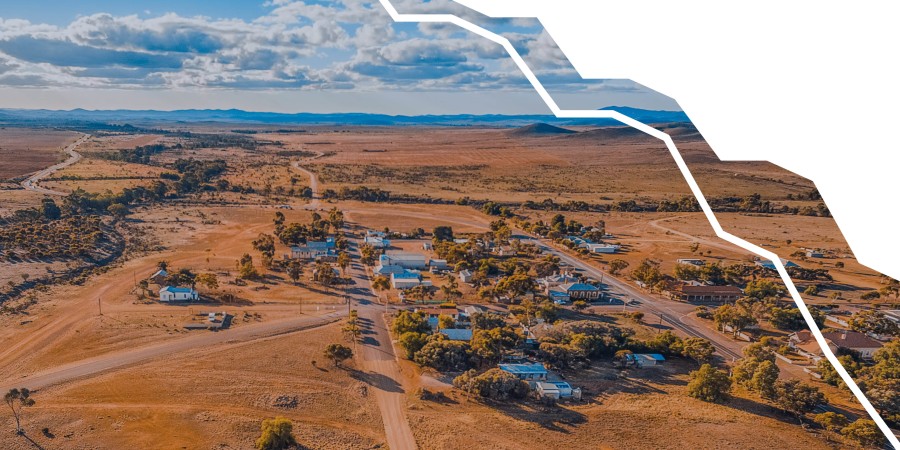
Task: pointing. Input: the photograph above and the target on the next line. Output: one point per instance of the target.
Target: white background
(809, 85)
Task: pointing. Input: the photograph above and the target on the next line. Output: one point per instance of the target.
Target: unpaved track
(376, 353)
(128, 357)
(31, 183)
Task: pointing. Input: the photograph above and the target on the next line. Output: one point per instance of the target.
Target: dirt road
(31, 183)
(119, 359)
(316, 200)
(378, 359)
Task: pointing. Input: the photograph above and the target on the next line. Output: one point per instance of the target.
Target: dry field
(500, 164)
(212, 398)
(26, 150)
(647, 409)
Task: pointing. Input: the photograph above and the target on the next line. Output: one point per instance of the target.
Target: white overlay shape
(695, 189)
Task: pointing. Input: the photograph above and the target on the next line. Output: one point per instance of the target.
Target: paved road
(31, 183)
(128, 357)
(671, 312)
(378, 358)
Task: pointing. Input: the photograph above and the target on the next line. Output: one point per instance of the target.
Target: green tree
(831, 421)
(442, 233)
(797, 398)
(49, 209)
(409, 321)
(338, 353)
(764, 379)
(698, 349)
(445, 321)
(487, 321)
(443, 354)
(617, 265)
(118, 210)
(864, 432)
(277, 434)
(17, 400)
(265, 244)
(343, 261)
(761, 289)
(494, 384)
(412, 342)
(294, 270)
(210, 280)
(450, 289)
(872, 321)
(488, 345)
(709, 384)
(324, 273)
(368, 254)
(381, 283)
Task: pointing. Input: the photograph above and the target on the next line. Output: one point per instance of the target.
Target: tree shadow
(549, 417)
(377, 380)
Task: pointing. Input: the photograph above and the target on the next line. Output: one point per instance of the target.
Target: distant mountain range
(143, 117)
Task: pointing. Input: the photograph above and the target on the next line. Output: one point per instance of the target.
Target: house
(553, 389)
(766, 264)
(159, 278)
(556, 280)
(465, 276)
(427, 246)
(316, 250)
(470, 310)
(579, 241)
(415, 261)
(457, 334)
(437, 312)
(805, 343)
(461, 241)
(558, 295)
(387, 269)
(405, 280)
(647, 359)
(506, 250)
(814, 254)
(526, 372)
(438, 264)
(581, 291)
(603, 248)
(852, 340)
(177, 294)
(692, 262)
(377, 241)
(704, 294)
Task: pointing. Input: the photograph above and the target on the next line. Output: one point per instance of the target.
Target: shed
(527, 372)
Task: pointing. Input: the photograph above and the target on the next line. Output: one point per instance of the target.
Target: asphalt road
(31, 183)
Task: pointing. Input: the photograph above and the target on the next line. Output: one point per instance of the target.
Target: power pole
(99, 307)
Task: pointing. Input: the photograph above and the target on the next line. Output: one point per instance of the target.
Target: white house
(647, 359)
(438, 264)
(465, 276)
(177, 294)
(814, 254)
(553, 389)
(376, 239)
(603, 248)
(692, 262)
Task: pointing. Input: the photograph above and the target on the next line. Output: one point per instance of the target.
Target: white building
(177, 294)
(465, 276)
(603, 248)
(415, 261)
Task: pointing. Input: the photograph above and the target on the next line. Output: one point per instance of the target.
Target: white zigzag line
(605, 114)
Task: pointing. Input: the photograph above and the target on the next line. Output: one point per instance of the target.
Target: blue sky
(279, 55)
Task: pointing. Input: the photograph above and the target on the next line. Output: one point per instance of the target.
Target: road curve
(31, 183)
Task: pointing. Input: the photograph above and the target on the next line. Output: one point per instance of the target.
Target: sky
(281, 56)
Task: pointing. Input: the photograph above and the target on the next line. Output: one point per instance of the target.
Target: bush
(865, 433)
(494, 384)
(277, 434)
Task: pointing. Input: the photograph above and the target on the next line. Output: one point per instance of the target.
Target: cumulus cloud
(339, 44)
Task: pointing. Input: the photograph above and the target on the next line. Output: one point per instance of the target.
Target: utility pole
(99, 307)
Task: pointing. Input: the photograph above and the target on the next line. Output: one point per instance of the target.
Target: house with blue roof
(527, 371)
(406, 279)
(765, 263)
